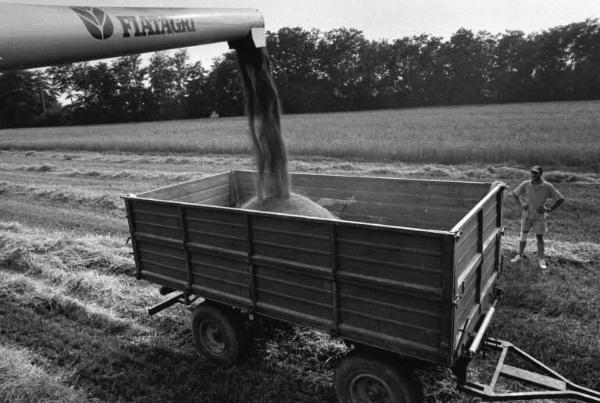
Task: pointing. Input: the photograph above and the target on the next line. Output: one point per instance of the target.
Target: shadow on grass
(118, 367)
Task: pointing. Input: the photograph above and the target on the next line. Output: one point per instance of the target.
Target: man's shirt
(535, 195)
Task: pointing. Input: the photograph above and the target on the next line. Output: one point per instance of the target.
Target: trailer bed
(409, 266)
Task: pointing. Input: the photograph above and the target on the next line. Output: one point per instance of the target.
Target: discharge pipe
(37, 36)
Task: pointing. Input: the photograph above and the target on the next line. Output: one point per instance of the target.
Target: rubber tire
(359, 368)
(217, 334)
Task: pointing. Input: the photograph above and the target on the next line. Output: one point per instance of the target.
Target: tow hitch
(551, 384)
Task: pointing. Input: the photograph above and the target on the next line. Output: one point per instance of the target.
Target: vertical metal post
(335, 300)
(136, 253)
(480, 250)
(184, 236)
(499, 199)
(250, 260)
(448, 269)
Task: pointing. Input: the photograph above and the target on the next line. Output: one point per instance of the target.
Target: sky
(380, 19)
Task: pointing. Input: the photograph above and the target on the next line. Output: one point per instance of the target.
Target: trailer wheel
(361, 378)
(217, 334)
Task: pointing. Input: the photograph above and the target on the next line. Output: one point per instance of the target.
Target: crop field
(73, 320)
(564, 134)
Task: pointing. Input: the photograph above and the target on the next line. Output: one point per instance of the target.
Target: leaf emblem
(97, 22)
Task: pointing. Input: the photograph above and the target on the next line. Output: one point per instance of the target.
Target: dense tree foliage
(317, 72)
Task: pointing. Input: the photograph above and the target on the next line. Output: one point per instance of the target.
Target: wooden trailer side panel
(212, 190)
(394, 290)
(378, 286)
(477, 261)
(156, 233)
(291, 259)
(426, 204)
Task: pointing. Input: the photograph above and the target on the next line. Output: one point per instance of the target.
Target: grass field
(73, 321)
(558, 134)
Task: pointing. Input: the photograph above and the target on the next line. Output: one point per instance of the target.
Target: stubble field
(73, 321)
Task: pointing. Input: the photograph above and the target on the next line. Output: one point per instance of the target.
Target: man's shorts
(539, 227)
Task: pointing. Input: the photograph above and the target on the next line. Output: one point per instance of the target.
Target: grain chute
(36, 36)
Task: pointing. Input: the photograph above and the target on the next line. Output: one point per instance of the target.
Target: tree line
(337, 70)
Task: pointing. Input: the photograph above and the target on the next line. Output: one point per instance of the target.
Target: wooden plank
(295, 317)
(398, 272)
(218, 200)
(349, 195)
(229, 266)
(307, 270)
(151, 207)
(532, 377)
(446, 215)
(181, 189)
(168, 281)
(383, 284)
(294, 307)
(210, 239)
(156, 229)
(324, 186)
(223, 297)
(149, 254)
(294, 225)
(457, 189)
(301, 241)
(293, 289)
(395, 343)
(221, 285)
(398, 312)
(170, 221)
(200, 196)
(168, 271)
(429, 243)
(218, 228)
(291, 254)
(409, 299)
(386, 326)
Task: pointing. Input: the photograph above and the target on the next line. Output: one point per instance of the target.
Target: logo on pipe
(97, 22)
(154, 25)
(100, 26)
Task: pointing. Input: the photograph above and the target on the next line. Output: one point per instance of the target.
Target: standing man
(537, 198)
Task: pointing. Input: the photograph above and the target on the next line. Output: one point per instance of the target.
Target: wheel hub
(369, 388)
(212, 337)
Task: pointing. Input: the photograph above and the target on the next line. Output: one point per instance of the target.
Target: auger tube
(37, 36)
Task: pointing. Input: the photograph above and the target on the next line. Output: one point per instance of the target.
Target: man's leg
(522, 245)
(540, 246)
(540, 228)
(541, 254)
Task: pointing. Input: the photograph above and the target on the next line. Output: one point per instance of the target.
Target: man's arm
(554, 205)
(516, 192)
(557, 197)
(516, 197)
